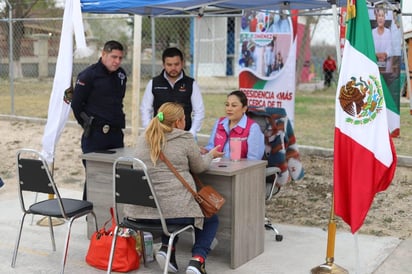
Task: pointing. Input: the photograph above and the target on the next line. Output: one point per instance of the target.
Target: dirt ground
(307, 202)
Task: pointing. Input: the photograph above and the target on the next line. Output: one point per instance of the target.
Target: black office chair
(34, 176)
(281, 152)
(132, 185)
(272, 174)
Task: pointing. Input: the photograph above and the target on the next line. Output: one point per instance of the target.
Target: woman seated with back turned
(237, 124)
(165, 133)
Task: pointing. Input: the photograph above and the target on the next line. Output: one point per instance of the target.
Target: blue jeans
(203, 237)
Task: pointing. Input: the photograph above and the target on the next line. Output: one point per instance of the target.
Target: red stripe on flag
(358, 176)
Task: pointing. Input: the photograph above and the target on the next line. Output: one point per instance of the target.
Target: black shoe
(195, 267)
(161, 259)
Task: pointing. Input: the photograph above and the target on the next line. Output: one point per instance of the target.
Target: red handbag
(125, 257)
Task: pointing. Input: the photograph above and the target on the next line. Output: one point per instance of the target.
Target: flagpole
(329, 266)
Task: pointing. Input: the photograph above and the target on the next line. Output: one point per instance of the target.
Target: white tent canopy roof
(199, 7)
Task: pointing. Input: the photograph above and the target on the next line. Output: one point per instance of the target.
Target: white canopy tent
(160, 8)
(200, 7)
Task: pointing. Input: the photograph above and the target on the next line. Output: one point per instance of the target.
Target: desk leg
(99, 192)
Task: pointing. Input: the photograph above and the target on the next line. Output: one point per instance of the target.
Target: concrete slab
(399, 261)
(302, 248)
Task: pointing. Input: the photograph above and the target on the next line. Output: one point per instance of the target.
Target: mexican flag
(364, 155)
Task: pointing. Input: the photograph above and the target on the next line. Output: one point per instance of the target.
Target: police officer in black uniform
(98, 101)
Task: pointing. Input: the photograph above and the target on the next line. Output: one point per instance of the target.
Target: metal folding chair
(132, 185)
(34, 176)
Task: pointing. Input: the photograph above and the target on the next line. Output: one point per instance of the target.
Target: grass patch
(315, 118)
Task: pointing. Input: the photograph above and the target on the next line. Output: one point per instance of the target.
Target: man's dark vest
(181, 93)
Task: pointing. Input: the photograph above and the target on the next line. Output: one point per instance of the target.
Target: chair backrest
(132, 185)
(272, 124)
(281, 148)
(33, 175)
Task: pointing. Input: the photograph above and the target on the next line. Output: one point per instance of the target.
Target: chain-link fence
(210, 46)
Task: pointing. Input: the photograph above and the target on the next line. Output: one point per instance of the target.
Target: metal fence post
(11, 62)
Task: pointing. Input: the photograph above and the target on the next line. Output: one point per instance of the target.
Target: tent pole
(336, 28)
(11, 61)
(153, 26)
(137, 49)
(197, 48)
(408, 61)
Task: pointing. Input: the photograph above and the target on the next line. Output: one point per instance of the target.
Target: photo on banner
(267, 59)
(387, 36)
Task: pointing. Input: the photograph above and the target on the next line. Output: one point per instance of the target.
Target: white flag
(60, 98)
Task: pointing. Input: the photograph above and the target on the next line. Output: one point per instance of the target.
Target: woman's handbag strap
(173, 169)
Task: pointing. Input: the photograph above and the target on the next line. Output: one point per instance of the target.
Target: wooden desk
(241, 220)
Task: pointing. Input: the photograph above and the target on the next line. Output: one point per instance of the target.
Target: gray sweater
(176, 201)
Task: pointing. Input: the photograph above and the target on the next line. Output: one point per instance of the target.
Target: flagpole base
(327, 268)
(45, 221)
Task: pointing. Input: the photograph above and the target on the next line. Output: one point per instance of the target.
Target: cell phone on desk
(105, 151)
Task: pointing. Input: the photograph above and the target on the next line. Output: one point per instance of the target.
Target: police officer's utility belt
(106, 128)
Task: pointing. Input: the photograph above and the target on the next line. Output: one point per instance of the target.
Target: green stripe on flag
(359, 32)
(390, 104)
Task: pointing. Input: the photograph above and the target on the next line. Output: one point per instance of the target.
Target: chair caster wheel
(279, 238)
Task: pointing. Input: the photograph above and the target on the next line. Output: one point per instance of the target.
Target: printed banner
(387, 37)
(268, 60)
